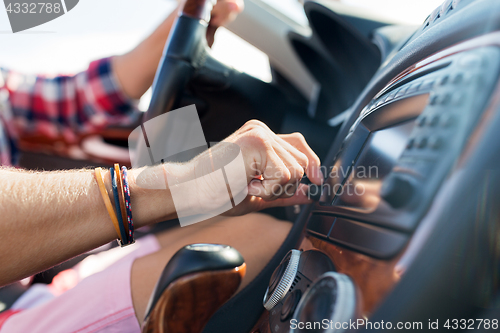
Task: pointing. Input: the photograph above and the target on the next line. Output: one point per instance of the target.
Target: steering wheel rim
(186, 51)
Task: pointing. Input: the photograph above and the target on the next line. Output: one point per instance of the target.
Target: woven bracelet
(121, 223)
(128, 206)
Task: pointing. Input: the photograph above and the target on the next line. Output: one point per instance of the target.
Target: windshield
(404, 11)
(68, 44)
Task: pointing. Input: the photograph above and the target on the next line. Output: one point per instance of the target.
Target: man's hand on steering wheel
(223, 12)
(136, 69)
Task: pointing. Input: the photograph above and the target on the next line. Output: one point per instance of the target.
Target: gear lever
(195, 283)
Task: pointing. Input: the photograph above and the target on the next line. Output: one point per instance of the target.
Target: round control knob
(290, 304)
(332, 297)
(282, 279)
(397, 191)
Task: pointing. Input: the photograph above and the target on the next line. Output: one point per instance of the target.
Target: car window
(407, 11)
(93, 29)
(96, 29)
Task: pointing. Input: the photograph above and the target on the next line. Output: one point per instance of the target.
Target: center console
(399, 151)
(402, 147)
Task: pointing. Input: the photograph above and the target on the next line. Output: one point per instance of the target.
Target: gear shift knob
(195, 283)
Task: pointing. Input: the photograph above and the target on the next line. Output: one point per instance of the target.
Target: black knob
(397, 191)
(331, 298)
(289, 304)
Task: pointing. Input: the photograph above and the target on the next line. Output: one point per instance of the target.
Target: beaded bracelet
(114, 185)
(128, 206)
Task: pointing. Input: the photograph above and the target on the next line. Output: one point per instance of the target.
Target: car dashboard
(413, 138)
(405, 120)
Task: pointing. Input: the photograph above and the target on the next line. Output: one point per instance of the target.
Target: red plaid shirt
(65, 107)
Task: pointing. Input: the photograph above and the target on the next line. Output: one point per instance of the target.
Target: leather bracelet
(107, 201)
(121, 224)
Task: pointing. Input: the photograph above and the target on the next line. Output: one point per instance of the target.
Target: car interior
(410, 114)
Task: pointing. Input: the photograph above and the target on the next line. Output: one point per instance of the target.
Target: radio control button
(290, 304)
(330, 299)
(402, 92)
(410, 144)
(426, 85)
(458, 79)
(397, 191)
(445, 6)
(458, 98)
(421, 121)
(446, 99)
(434, 14)
(434, 99)
(421, 142)
(444, 80)
(413, 88)
(447, 121)
(433, 121)
(435, 142)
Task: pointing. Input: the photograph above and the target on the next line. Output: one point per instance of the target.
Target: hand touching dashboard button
(250, 170)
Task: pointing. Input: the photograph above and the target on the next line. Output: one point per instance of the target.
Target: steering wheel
(187, 63)
(186, 59)
(186, 51)
(186, 54)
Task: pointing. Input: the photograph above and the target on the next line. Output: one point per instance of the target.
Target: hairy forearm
(49, 217)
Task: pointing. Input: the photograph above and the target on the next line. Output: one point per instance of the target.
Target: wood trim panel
(374, 278)
(188, 303)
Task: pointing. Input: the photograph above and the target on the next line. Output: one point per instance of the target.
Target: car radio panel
(410, 135)
(424, 120)
(378, 157)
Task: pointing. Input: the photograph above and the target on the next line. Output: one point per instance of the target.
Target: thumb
(300, 197)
